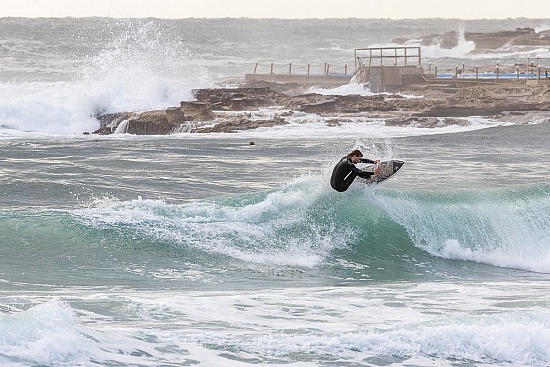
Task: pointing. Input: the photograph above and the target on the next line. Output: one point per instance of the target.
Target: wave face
(304, 225)
(375, 234)
(506, 228)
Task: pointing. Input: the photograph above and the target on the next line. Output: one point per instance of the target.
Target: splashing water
(141, 68)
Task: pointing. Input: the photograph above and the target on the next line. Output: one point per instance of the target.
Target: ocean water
(202, 249)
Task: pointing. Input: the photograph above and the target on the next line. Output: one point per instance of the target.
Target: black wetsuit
(345, 172)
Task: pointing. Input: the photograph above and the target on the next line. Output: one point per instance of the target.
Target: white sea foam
(506, 232)
(344, 90)
(436, 51)
(70, 107)
(46, 334)
(423, 324)
(141, 69)
(258, 232)
(461, 50)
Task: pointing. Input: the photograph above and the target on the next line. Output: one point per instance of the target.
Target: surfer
(345, 171)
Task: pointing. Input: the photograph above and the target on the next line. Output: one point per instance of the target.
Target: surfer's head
(355, 153)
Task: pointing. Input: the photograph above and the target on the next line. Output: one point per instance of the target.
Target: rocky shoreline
(230, 110)
(422, 101)
(483, 40)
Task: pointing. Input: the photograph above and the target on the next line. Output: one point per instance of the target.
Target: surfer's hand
(377, 161)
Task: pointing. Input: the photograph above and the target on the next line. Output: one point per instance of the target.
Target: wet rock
(323, 106)
(175, 115)
(239, 124)
(102, 131)
(150, 123)
(197, 111)
(237, 99)
(482, 40)
(158, 122)
(433, 106)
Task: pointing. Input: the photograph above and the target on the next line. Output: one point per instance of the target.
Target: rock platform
(428, 105)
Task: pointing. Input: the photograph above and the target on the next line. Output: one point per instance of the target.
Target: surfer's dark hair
(356, 152)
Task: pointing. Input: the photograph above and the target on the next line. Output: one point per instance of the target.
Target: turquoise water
(270, 265)
(206, 250)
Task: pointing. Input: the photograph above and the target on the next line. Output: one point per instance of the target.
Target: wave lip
(46, 334)
(507, 229)
(278, 228)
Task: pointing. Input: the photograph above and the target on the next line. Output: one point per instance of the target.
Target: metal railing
(536, 68)
(531, 70)
(388, 56)
(325, 69)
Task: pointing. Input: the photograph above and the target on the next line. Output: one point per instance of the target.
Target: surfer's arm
(366, 160)
(365, 174)
(361, 173)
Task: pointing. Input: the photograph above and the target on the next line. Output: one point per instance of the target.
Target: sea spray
(507, 228)
(46, 334)
(285, 227)
(140, 68)
(144, 66)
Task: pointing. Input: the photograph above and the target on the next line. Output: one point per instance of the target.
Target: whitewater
(205, 249)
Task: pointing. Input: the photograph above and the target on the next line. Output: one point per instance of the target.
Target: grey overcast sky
(288, 9)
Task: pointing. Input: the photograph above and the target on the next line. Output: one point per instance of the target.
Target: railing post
(498, 71)
(477, 71)
(435, 68)
(255, 68)
(328, 67)
(395, 57)
(456, 71)
(289, 68)
(517, 72)
(271, 68)
(346, 70)
(308, 69)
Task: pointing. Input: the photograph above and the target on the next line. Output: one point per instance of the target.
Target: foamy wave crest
(344, 90)
(57, 108)
(523, 342)
(509, 229)
(45, 335)
(276, 228)
(142, 68)
(435, 51)
(462, 49)
(542, 28)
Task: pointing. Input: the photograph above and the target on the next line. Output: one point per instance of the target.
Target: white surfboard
(387, 169)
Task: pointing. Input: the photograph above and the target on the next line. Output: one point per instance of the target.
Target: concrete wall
(381, 77)
(321, 80)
